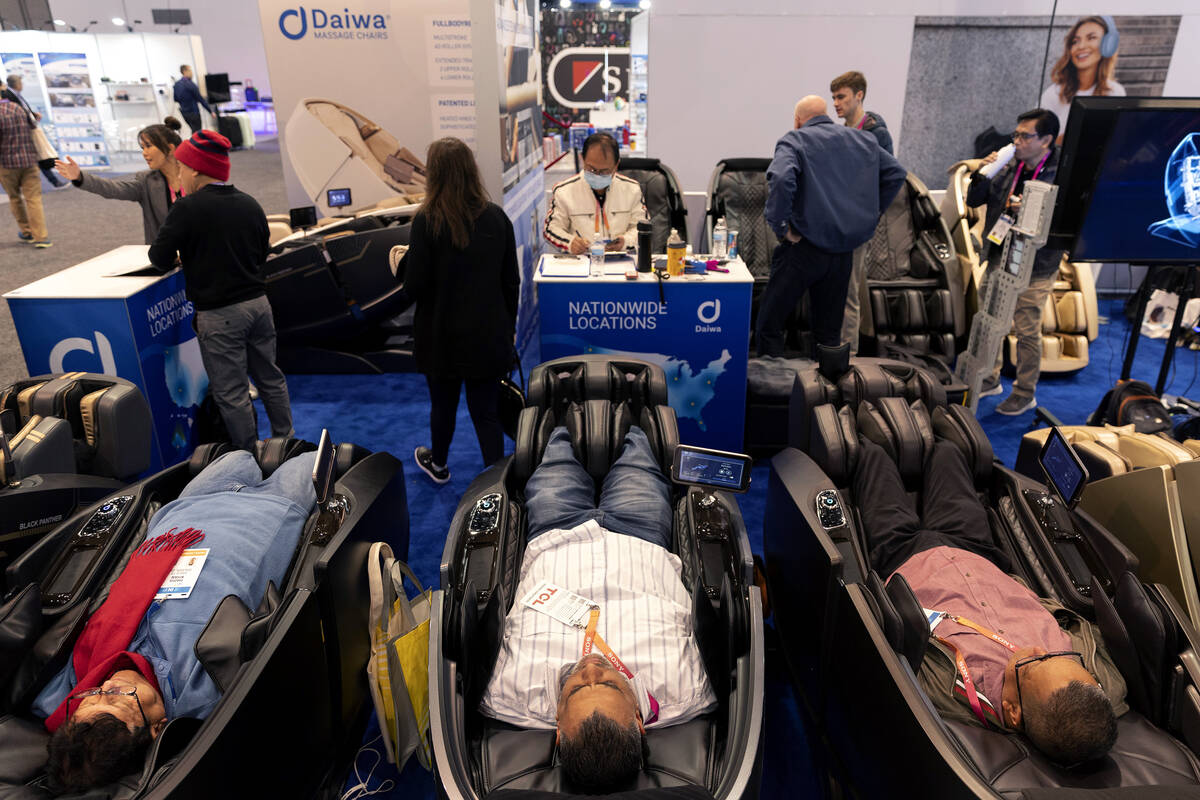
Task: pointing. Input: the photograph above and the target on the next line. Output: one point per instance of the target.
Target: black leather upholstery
(662, 196)
(555, 384)
(738, 192)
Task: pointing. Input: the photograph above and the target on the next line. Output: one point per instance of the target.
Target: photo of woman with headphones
(1085, 67)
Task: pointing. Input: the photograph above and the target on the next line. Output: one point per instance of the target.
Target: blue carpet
(391, 413)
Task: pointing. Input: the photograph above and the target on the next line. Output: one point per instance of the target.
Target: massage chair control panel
(105, 517)
(713, 539)
(485, 516)
(829, 509)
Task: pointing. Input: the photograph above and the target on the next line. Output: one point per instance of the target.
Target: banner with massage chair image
(360, 92)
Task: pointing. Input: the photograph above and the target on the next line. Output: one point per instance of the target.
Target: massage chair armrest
(491, 555)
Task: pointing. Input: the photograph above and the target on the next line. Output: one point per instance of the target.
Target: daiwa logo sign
(296, 23)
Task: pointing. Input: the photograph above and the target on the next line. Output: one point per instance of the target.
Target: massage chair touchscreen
(291, 701)
(597, 398)
(856, 641)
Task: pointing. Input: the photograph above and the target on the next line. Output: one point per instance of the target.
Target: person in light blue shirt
(827, 186)
(251, 528)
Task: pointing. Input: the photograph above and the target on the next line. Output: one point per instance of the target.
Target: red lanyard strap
(961, 662)
(591, 636)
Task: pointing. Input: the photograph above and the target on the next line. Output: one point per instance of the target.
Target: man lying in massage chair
(615, 556)
(134, 666)
(1000, 657)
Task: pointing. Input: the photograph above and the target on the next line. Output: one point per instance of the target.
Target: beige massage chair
(332, 146)
(1070, 318)
(1145, 488)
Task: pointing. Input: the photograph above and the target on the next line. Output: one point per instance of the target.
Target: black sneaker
(424, 458)
(1015, 404)
(990, 386)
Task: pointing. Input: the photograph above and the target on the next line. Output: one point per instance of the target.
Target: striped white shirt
(645, 616)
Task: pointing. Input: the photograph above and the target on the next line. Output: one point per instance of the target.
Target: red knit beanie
(207, 152)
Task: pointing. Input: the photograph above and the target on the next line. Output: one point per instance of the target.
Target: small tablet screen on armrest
(1064, 471)
(717, 469)
(323, 468)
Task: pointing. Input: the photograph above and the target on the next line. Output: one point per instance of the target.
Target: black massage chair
(337, 306)
(662, 196)
(292, 671)
(474, 756)
(854, 645)
(72, 439)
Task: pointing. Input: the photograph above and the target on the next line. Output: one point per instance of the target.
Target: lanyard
(961, 662)
(1017, 176)
(591, 636)
(861, 122)
(601, 214)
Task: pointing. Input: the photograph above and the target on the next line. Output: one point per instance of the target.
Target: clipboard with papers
(557, 266)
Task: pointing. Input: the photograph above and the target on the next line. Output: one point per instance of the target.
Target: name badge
(934, 617)
(560, 604)
(1000, 230)
(182, 577)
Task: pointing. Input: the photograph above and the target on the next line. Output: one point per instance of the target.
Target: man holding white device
(597, 203)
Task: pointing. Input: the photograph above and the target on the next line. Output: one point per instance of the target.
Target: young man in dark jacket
(220, 236)
(1035, 158)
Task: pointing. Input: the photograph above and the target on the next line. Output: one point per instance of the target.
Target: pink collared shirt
(963, 583)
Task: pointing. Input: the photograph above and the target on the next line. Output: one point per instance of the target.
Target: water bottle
(597, 256)
(720, 242)
(675, 253)
(1003, 156)
(645, 232)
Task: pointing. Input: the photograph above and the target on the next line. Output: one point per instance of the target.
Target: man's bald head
(809, 106)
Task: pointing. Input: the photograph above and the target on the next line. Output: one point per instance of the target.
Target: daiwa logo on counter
(708, 312)
(296, 23)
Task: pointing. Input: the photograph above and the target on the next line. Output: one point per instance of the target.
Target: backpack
(1132, 403)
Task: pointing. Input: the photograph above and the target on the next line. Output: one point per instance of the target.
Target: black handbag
(512, 400)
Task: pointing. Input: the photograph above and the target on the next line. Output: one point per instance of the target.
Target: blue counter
(94, 317)
(700, 336)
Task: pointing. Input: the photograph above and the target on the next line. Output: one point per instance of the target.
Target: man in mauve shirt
(1031, 665)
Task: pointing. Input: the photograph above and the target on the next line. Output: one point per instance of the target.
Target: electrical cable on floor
(360, 789)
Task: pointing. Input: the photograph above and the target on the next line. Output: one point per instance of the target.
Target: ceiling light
(564, 3)
(118, 21)
(605, 3)
(644, 5)
(60, 22)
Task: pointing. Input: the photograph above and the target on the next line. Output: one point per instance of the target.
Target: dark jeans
(483, 401)
(951, 514)
(794, 269)
(635, 498)
(192, 120)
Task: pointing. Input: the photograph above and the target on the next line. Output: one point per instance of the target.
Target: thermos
(644, 256)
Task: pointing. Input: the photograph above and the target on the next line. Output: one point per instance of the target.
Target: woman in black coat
(461, 271)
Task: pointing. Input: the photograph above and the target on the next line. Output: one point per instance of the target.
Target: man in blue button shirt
(187, 95)
(827, 187)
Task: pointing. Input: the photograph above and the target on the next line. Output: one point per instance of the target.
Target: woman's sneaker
(990, 386)
(424, 457)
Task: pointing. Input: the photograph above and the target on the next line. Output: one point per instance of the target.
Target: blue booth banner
(700, 337)
(145, 337)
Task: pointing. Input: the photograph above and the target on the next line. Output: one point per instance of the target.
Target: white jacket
(574, 211)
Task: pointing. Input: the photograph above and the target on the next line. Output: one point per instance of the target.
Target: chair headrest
(958, 425)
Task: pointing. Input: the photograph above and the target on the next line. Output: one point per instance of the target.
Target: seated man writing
(597, 203)
(1000, 657)
(134, 665)
(615, 557)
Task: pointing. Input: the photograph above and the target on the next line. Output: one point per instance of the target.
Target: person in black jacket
(220, 236)
(461, 271)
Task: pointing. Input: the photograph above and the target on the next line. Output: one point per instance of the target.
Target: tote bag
(398, 669)
(41, 143)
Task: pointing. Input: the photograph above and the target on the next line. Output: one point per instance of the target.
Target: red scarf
(100, 650)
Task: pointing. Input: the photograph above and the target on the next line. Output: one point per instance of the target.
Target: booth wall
(724, 79)
(232, 37)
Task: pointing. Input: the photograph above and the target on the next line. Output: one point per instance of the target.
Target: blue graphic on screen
(1181, 183)
(710, 470)
(1148, 153)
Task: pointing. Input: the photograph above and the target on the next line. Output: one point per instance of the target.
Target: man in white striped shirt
(615, 556)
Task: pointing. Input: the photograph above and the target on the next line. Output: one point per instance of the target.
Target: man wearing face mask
(999, 656)
(634, 661)
(134, 666)
(596, 203)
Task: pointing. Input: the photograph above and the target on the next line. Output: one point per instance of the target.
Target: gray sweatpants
(237, 342)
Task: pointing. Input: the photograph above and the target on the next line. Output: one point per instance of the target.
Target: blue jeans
(635, 498)
(239, 472)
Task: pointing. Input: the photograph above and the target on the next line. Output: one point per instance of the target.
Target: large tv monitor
(1129, 181)
(217, 85)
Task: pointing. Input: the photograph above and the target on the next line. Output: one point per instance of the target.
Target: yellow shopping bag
(398, 670)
